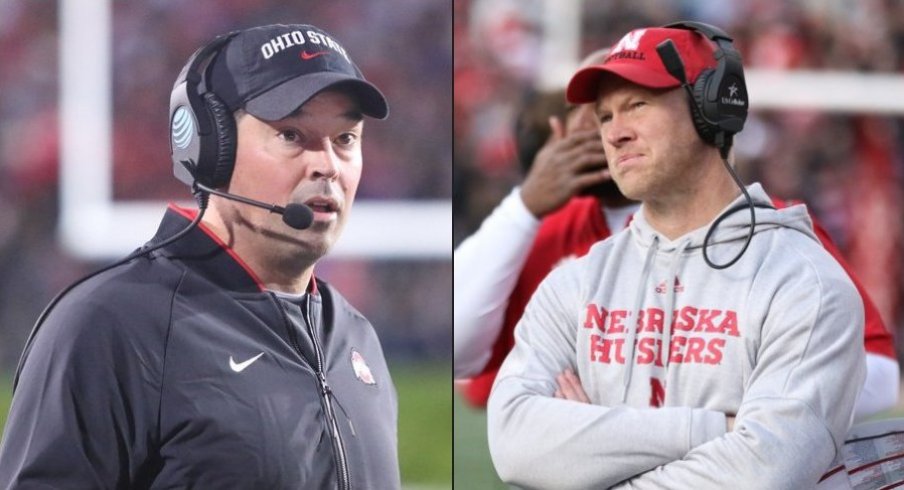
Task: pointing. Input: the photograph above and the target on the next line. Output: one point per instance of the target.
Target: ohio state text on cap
(271, 71)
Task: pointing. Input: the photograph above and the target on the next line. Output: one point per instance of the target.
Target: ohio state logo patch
(362, 371)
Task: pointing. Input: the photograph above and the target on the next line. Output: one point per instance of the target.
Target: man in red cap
(702, 347)
(562, 208)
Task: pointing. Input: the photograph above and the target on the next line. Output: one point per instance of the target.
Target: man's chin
(315, 240)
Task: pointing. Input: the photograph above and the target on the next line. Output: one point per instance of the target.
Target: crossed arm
(569, 388)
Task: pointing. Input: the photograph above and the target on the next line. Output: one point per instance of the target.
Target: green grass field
(473, 468)
(425, 423)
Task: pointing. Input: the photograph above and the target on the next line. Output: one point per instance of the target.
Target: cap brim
(284, 99)
(585, 84)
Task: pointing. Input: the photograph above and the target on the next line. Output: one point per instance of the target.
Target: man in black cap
(212, 357)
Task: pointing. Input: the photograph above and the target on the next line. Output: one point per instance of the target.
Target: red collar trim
(191, 214)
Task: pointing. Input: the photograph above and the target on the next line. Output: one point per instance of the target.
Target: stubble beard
(289, 247)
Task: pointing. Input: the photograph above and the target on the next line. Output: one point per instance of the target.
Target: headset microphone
(296, 215)
(672, 61)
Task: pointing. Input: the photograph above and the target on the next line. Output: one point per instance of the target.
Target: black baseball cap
(271, 71)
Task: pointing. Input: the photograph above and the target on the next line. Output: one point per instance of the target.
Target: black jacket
(179, 371)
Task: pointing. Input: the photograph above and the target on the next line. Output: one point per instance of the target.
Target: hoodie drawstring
(670, 303)
(632, 329)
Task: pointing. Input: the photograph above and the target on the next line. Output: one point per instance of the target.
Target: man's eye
(346, 139)
(604, 118)
(289, 136)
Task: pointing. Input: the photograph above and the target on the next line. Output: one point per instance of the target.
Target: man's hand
(570, 387)
(562, 168)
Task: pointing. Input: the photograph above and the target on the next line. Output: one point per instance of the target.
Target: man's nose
(323, 162)
(617, 131)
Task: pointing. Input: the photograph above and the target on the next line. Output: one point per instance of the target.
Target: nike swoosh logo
(240, 366)
(309, 56)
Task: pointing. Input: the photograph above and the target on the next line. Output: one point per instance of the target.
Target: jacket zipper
(325, 395)
(338, 445)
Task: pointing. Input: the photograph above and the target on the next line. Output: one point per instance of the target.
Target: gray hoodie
(774, 339)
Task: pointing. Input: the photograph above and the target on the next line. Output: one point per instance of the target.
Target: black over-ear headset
(718, 98)
(203, 137)
(719, 103)
(202, 128)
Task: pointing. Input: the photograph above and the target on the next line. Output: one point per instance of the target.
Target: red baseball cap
(635, 59)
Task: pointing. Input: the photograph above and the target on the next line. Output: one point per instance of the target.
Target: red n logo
(630, 42)
(657, 393)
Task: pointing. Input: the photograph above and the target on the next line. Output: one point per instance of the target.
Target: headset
(719, 104)
(202, 128)
(718, 98)
(203, 137)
